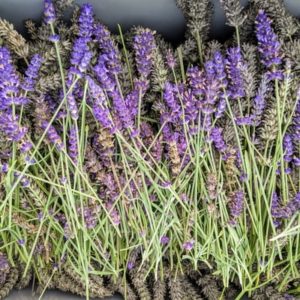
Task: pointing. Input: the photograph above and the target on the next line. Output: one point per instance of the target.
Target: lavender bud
(32, 73)
(49, 12)
(144, 45)
(217, 139)
(288, 148)
(188, 245)
(164, 240)
(236, 206)
(234, 67)
(53, 135)
(268, 44)
(86, 21)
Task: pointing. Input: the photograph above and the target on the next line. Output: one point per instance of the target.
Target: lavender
(164, 240)
(246, 120)
(171, 100)
(72, 106)
(25, 146)
(170, 59)
(259, 101)
(10, 126)
(288, 148)
(234, 67)
(73, 145)
(54, 38)
(136, 95)
(236, 206)
(4, 265)
(268, 44)
(86, 21)
(32, 73)
(280, 211)
(144, 45)
(81, 56)
(219, 69)
(49, 12)
(107, 45)
(217, 139)
(9, 82)
(188, 245)
(52, 135)
(196, 80)
(100, 109)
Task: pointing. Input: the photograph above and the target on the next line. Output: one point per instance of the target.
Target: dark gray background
(161, 15)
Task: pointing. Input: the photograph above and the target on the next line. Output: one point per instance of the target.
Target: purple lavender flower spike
(188, 245)
(81, 56)
(108, 47)
(296, 161)
(132, 99)
(219, 69)
(217, 139)
(259, 100)
(164, 240)
(170, 59)
(246, 120)
(268, 44)
(196, 80)
(221, 107)
(25, 146)
(288, 148)
(73, 145)
(234, 67)
(236, 206)
(10, 126)
(32, 73)
(4, 265)
(171, 99)
(86, 21)
(130, 265)
(296, 119)
(100, 109)
(144, 45)
(49, 12)
(54, 38)
(53, 136)
(72, 106)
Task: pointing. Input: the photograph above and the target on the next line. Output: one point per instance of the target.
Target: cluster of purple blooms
(282, 211)
(13, 93)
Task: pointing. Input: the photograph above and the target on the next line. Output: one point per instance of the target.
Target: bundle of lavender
(130, 166)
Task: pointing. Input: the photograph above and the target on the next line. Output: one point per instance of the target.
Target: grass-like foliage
(130, 166)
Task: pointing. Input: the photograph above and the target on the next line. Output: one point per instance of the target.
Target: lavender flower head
(81, 56)
(32, 73)
(288, 147)
(53, 136)
(234, 67)
(219, 69)
(10, 126)
(4, 265)
(170, 59)
(268, 44)
(108, 47)
(49, 12)
(100, 109)
(73, 145)
(144, 45)
(164, 240)
(86, 21)
(188, 245)
(236, 206)
(217, 139)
